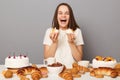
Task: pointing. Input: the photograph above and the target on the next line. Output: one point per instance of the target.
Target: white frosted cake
(69, 31)
(103, 62)
(16, 61)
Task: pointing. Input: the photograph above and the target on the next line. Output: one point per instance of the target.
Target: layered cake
(54, 30)
(69, 31)
(100, 61)
(16, 61)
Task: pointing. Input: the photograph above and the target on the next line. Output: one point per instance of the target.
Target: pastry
(69, 31)
(14, 70)
(117, 68)
(99, 58)
(44, 71)
(54, 30)
(102, 71)
(7, 74)
(24, 78)
(117, 65)
(34, 65)
(36, 75)
(28, 71)
(80, 68)
(100, 61)
(108, 59)
(66, 75)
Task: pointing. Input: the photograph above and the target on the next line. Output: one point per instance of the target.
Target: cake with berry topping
(100, 61)
(17, 61)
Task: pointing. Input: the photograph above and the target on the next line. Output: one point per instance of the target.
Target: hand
(71, 38)
(54, 36)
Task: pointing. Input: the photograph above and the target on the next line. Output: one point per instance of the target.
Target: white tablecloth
(85, 76)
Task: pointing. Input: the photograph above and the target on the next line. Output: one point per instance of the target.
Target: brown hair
(72, 23)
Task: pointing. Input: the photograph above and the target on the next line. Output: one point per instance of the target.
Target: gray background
(23, 24)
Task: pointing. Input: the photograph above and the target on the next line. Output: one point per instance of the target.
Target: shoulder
(48, 30)
(78, 30)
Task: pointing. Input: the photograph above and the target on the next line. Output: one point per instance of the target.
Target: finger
(72, 36)
(56, 35)
(50, 36)
(68, 36)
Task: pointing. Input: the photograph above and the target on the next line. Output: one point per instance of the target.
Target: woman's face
(63, 17)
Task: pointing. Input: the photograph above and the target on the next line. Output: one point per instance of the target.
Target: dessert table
(85, 76)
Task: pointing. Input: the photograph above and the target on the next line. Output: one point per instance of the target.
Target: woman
(64, 45)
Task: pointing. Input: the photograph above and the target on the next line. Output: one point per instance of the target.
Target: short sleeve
(79, 37)
(47, 40)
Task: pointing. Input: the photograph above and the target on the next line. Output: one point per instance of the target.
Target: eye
(60, 13)
(67, 13)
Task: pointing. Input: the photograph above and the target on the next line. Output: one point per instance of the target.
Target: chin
(63, 26)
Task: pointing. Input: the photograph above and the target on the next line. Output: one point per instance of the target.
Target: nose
(63, 15)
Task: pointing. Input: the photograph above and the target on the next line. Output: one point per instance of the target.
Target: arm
(77, 51)
(49, 50)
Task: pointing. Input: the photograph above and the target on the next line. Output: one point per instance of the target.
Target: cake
(69, 31)
(54, 30)
(100, 61)
(16, 61)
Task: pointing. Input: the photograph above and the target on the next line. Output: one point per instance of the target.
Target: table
(85, 76)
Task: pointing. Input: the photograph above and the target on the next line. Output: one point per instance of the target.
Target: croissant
(24, 78)
(28, 71)
(73, 71)
(117, 65)
(36, 75)
(34, 65)
(44, 71)
(102, 71)
(66, 75)
(117, 68)
(80, 68)
(14, 70)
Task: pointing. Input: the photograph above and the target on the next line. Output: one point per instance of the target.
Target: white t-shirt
(63, 53)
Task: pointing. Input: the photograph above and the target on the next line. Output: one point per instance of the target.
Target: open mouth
(63, 20)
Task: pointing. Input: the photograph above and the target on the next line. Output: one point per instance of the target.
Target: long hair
(71, 24)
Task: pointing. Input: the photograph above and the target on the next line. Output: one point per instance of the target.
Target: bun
(102, 71)
(44, 71)
(34, 65)
(99, 58)
(7, 74)
(108, 59)
(29, 70)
